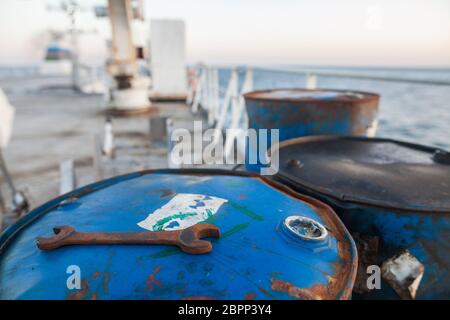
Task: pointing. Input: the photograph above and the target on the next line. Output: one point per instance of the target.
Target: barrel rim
(367, 96)
(347, 198)
(346, 251)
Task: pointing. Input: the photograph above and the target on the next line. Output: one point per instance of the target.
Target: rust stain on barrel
(81, 294)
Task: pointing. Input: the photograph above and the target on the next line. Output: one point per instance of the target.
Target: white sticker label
(182, 211)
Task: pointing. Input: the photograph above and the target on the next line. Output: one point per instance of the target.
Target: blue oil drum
(393, 196)
(303, 112)
(274, 243)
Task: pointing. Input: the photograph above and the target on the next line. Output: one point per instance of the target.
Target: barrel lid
(304, 95)
(373, 171)
(274, 244)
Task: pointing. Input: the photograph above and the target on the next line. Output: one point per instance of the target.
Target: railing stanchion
(311, 81)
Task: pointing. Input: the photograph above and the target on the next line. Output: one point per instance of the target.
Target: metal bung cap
(305, 228)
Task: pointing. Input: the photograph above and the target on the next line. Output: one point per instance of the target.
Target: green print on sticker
(182, 211)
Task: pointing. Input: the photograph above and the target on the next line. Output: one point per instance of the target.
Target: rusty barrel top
(309, 95)
(274, 244)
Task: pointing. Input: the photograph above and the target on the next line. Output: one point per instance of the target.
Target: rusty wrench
(188, 240)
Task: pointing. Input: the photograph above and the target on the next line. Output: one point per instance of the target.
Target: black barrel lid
(381, 172)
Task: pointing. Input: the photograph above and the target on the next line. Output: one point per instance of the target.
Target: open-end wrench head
(49, 243)
(190, 238)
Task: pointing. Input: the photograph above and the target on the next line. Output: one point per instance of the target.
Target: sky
(227, 32)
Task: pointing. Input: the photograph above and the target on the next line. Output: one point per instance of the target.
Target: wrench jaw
(56, 241)
(190, 239)
(206, 231)
(196, 247)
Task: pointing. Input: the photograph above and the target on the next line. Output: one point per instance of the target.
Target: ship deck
(53, 123)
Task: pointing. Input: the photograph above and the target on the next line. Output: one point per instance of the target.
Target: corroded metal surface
(188, 240)
(392, 196)
(380, 172)
(404, 274)
(254, 255)
(368, 247)
(302, 112)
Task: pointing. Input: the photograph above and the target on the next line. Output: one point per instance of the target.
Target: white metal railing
(313, 74)
(204, 94)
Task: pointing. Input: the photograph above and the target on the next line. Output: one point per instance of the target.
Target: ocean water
(409, 112)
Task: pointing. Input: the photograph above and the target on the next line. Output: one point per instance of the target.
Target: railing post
(211, 105)
(204, 99)
(216, 93)
(170, 144)
(108, 148)
(238, 113)
(248, 81)
(231, 134)
(192, 76)
(247, 87)
(232, 89)
(311, 81)
(67, 176)
(199, 91)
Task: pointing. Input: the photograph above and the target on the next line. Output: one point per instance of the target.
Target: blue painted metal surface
(382, 189)
(425, 235)
(302, 112)
(253, 258)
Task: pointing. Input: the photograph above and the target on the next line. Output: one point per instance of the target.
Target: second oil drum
(303, 112)
(393, 196)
